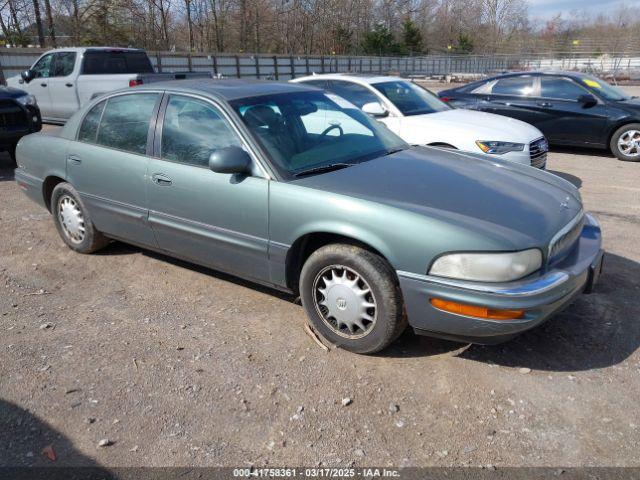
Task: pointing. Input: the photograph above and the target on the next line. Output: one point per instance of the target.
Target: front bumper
(516, 157)
(16, 121)
(539, 297)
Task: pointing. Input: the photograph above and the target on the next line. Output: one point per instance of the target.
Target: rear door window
(125, 122)
(514, 86)
(63, 63)
(102, 62)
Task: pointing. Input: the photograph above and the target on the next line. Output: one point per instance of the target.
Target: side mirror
(27, 75)
(230, 160)
(587, 100)
(375, 109)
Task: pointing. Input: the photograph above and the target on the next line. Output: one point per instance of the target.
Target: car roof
(227, 89)
(367, 78)
(554, 73)
(94, 49)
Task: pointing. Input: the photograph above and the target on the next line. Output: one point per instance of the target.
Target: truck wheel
(625, 143)
(352, 298)
(73, 220)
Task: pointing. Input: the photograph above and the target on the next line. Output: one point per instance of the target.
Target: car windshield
(312, 132)
(603, 89)
(411, 99)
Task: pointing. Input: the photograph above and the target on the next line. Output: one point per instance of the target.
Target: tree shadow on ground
(32, 449)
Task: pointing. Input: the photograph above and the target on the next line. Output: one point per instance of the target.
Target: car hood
(514, 205)
(10, 92)
(480, 125)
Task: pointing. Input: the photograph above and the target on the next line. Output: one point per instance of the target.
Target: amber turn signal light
(475, 311)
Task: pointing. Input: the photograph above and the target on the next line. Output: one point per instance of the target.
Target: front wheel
(73, 221)
(352, 298)
(625, 143)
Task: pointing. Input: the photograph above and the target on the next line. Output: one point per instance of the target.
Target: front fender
(406, 239)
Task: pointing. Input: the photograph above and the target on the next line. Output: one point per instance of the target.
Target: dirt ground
(178, 365)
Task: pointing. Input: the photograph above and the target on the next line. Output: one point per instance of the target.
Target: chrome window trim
(522, 288)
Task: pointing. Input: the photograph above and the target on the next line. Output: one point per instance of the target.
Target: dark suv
(570, 108)
(19, 116)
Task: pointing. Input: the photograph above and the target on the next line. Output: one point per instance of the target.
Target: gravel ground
(178, 365)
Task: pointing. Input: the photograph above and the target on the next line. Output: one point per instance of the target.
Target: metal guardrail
(284, 67)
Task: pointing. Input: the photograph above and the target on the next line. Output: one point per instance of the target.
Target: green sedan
(295, 188)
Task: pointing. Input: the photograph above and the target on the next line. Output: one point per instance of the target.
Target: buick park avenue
(297, 189)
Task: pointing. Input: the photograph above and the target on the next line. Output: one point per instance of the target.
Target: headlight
(498, 148)
(488, 267)
(27, 100)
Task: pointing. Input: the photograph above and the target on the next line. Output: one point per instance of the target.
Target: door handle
(43, 84)
(545, 104)
(74, 159)
(161, 179)
(69, 85)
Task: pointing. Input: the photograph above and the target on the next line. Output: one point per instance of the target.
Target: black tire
(65, 196)
(376, 274)
(615, 149)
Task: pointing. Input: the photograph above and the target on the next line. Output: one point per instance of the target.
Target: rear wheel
(73, 221)
(352, 298)
(625, 143)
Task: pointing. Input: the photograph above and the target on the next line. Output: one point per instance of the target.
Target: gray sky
(544, 9)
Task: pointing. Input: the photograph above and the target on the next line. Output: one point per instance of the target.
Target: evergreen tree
(379, 41)
(411, 37)
(465, 44)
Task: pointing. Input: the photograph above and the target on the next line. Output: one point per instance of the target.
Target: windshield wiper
(322, 169)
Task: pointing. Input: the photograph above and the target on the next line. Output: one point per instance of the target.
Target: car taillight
(135, 81)
(445, 99)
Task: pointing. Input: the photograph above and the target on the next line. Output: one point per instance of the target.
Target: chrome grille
(538, 152)
(566, 238)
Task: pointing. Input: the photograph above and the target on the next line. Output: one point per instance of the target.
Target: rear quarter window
(89, 128)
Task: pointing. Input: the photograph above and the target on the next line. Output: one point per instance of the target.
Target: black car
(570, 108)
(19, 116)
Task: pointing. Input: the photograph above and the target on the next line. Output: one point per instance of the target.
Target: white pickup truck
(64, 79)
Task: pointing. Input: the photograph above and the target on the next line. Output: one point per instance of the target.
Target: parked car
(293, 188)
(570, 108)
(19, 116)
(420, 118)
(64, 79)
